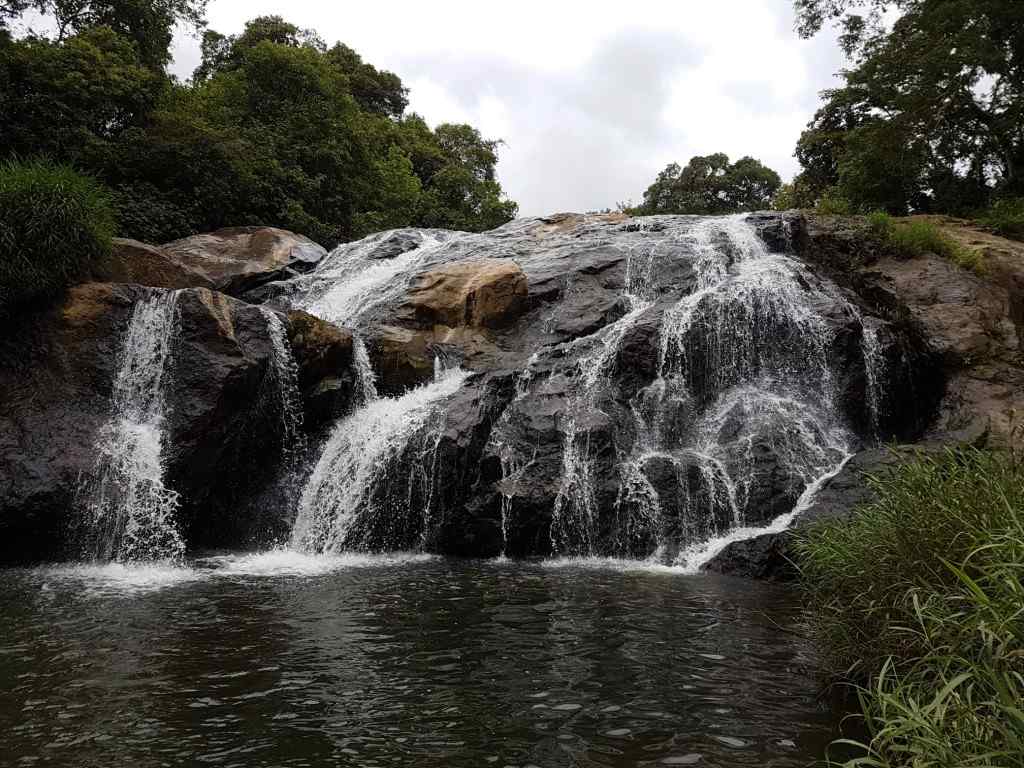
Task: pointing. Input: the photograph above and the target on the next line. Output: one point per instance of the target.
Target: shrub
(919, 598)
(56, 225)
(833, 204)
(1006, 218)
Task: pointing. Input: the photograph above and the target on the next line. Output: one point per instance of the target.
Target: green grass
(919, 600)
(56, 226)
(916, 237)
(1006, 218)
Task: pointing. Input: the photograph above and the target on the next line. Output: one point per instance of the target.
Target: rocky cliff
(627, 387)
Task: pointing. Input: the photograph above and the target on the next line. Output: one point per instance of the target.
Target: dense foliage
(711, 185)
(931, 115)
(276, 128)
(919, 597)
(56, 228)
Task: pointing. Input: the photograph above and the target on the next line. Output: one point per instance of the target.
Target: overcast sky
(591, 99)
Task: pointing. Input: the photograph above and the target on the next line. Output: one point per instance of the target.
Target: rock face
(239, 259)
(222, 438)
(635, 387)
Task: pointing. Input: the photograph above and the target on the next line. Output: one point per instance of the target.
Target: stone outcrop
(530, 310)
(222, 444)
(142, 264)
(239, 259)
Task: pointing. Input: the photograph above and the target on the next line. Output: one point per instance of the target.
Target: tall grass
(55, 226)
(915, 237)
(918, 599)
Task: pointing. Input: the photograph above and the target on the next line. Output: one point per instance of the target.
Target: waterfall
(354, 279)
(284, 386)
(129, 512)
(365, 486)
(744, 394)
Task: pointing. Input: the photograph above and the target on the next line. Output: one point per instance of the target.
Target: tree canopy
(931, 113)
(275, 128)
(711, 185)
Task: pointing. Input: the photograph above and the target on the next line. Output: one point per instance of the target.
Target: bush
(56, 226)
(918, 598)
(833, 204)
(1006, 218)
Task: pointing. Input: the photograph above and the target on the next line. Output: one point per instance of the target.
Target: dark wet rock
(323, 354)
(222, 440)
(56, 374)
(768, 557)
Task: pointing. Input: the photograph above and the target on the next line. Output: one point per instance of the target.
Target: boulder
(482, 293)
(240, 259)
(141, 264)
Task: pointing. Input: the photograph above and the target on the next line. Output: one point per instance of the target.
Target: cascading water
(284, 385)
(744, 388)
(129, 512)
(357, 497)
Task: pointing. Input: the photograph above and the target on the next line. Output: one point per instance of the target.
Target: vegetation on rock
(918, 598)
(56, 228)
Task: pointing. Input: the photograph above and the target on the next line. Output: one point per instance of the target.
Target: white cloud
(592, 99)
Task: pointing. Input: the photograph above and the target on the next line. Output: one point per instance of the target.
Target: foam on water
(289, 562)
(111, 579)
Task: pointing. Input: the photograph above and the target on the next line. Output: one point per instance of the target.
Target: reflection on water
(290, 660)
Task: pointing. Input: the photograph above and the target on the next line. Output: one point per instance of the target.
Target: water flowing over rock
(372, 488)
(672, 389)
(644, 386)
(129, 511)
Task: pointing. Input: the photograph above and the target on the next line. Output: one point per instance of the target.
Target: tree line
(276, 127)
(929, 119)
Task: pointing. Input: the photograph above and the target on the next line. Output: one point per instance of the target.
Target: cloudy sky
(591, 99)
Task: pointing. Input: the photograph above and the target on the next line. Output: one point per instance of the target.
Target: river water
(281, 659)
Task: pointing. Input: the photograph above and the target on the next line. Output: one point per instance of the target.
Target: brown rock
(489, 293)
(237, 259)
(323, 354)
(134, 262)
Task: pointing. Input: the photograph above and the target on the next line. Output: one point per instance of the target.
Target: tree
(711, 185)
(275, 128)
(149, 24)
(946, 82)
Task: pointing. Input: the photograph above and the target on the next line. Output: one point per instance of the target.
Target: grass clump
(915, 237)
(919, 599)
(1006, 218)
(55, 226)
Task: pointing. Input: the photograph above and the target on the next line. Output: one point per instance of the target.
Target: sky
(591, 99)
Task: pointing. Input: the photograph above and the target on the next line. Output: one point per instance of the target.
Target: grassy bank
(918, 599)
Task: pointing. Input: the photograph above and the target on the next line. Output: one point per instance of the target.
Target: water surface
(287, 660)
